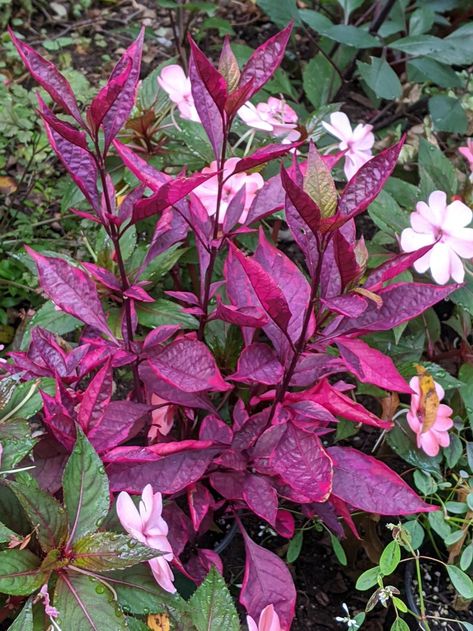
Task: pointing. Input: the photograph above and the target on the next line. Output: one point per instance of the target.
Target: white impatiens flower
(356, 143)
(444, 226)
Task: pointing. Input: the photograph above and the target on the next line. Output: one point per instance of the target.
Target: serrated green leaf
(368, 579)
(104, 551)
(424, 69)
(320, 81)
(86, 490)
(461, 581)
(381, 78)
(24, 620)
(294, 547)
(448, 114)
(439, 169)
(19, 572)
(212, 607)
(138, 592)
(390, 558)
(44, 513)
(86, 604)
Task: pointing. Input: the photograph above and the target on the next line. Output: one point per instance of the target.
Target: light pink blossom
(275, 116)
(49, 610)
(162, 419)
(172, 79)
(443, 225)
(467, 152)
(147, 525)
(208, 191)
(437, 436)
(356, 143)
(268, 621)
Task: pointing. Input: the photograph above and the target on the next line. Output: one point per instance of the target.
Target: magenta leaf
(292, 284)
(285, 524)
(121, 421)
(269, 294)
(168, 194)
(49, 77)
(146, 173)
(58, 420)
(130, 469)
(235, 209)
(305, 239)
(170, 229)
(338, 404)
(96, 398)
(189, 365)
(368, 181)
(351, 305)
(400, 302)
(258, 364)
(119, 110)
(393, 267)
(313, 366)
(77, 160)
(213, 81)
(370, 365)
(67, 131)
(303, 464)
(209, 112)
(107, 96)
(267, 201)
(302, 202)
(71, 290)
(262, 155)
(261, 497)
(241, 316)
(200, 501)
(105, 278)
(368, 484)
(264, 62)
(345, 257)
(267, 581)
(214, 429)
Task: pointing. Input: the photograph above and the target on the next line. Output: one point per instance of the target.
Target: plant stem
(281, 391)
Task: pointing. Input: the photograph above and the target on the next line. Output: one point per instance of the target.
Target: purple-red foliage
(247, 437)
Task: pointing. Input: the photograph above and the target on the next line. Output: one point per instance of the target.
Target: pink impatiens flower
(208, 191)
(268, 621)
(430, 440)
(147, 525)
(276, 117)
(356, 143)
(467, 152)
(162, 418)
(172, 79)
(49, 610)
(443, 225)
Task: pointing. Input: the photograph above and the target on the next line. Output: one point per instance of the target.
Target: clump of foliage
(242, 361)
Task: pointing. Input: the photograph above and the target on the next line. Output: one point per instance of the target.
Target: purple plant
(250, 431)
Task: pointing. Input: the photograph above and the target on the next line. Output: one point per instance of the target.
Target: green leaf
(212, 607)
(49, 318)
(454, 451)
(281, 12)
(24, 620)
(399, 625)
(462, 41)
(338, 549)
(424, 69)
(319, 184)
(387, 214)
(295, 546)
(442, 50)
(399, 604)
(400, 439)
(320, 81)
(381, 78)
(368, 579)
(416, 532)
(86, 604)
(351, 36)
(424, 482)
(453, 537)
(438, 167)
(24, 402)
(466, 558)
(465, 375)
(153, 314)
(317, 21)
(43, 511)
(19, 572)
(390, 558)
(136, 625)
(5, 533)
(461, 581)
(85, 487)
(438, 524)
(421, 21)
(448, 114)
(349, 6)
(138, 592)
(103, 551)
(16, 440)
